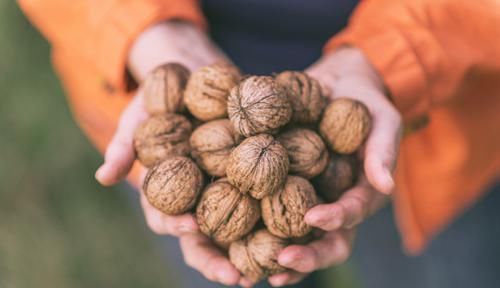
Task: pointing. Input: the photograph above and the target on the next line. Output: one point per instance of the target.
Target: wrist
(171, 41)
(347, 65)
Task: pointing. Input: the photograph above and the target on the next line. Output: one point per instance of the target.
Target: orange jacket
(440, 60)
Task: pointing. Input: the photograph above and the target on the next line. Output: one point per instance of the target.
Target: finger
(201, 254)
(382, 147)
(120, 155)
(334, 248)
(163, 224)
(244, 282)
(350, 210)
(287, 278)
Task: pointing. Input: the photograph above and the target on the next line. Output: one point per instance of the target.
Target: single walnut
(208, 88)
(305, 94)
(306, 150)
(211, 144)
(345, 125)
(283, 212)
(258, 105)
(160, 137)
(258, 166)
(341, 174)
(224, 214)
(256, 256)
(173, 185)
(164, 89)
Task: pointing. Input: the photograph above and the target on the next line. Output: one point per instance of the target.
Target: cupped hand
(347, 73)
(339, 221)
(164, 42)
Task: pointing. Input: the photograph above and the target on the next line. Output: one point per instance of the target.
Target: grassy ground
(58, 227)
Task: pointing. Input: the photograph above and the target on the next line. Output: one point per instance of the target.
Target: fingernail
(314, 219)
(183, 228)
(222, 276)
(286, 260)
(388, 181)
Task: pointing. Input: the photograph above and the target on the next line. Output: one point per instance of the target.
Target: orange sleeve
(425, 49)
(101, 31)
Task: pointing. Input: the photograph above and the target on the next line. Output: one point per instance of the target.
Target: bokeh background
(58, 227)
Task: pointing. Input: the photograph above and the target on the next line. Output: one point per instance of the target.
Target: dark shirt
(266, 36)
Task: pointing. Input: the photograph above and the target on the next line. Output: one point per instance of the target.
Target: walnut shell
(164, 89)
(160, 137)
(173, 185)
(345, 125)
(258, 105)
(306, 150)
(256, 256)
(305, 94)
(341, 174)
(208, 88)
(211, 144)
(283, 212)
(258, 166)
(224, 214)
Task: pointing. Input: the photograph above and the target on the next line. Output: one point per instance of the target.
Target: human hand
(339, 221)
(164, 42)
(347, 73)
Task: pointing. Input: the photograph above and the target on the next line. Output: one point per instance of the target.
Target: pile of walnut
(248, 154)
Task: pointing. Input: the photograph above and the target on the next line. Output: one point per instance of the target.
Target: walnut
(160, 137)
(224, 214)
(258, 166)
(283, 212)
(173, 185)
(256, 256)
(341, 174)
(345, 125)
(305, 94)
(211, 144)
(258, 105)
(208, 88)
(306, 150)
(164, 89)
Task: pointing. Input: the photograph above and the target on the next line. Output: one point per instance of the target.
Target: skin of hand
(344, 73)
(183, 43)
(347, 73)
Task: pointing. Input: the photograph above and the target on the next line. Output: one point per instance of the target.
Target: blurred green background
(58, 227)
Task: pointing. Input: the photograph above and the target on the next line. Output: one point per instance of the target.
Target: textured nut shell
(258, 105)
(173, 185)
(259, 166)
(244, 262)
(345, 125)
(164, 89)
(341, 174)
(224, 214)
(305, 94)
(160, 137)
(265, 248)
(283, 212)
(256, 255)
(208, 88)
(211, 144)
(306, 150)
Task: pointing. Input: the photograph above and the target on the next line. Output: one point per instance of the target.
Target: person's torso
(266, 36)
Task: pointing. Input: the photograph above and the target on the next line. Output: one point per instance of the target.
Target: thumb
(120, 154)
(382, 149)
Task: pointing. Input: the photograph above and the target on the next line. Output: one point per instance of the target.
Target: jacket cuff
(396, 61)
(124, 24)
